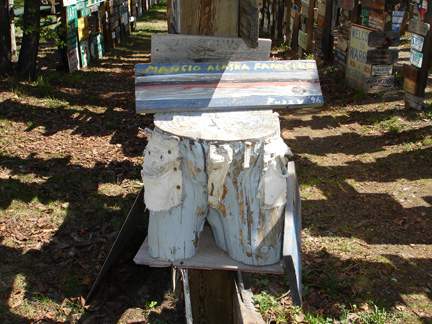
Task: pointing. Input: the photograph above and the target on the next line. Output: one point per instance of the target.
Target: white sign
(417, 42)
(416, 58)
(381, 70)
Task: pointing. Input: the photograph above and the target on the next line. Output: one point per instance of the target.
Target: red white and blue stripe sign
(230, 86)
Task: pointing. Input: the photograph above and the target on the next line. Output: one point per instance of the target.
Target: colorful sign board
(357, 69)
(229, 86)
(417, 42)
(416, 58)
(73, 59)
(376, 20)
(397, 18)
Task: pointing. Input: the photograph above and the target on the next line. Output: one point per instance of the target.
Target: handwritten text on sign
(229, 86)
(152, 69)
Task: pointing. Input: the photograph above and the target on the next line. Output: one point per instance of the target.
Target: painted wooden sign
(397, 18)
(418, 27)
(374, 4)
(382, 56)
(172, 48)
(416, 58)
(383, 39)
(358, 70)
(376, 20)
(364, 13)
(302, 39)
(73, 59)
(229, 86)
(346, 4)
(417, 42)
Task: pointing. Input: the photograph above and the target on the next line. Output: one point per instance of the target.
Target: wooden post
(416, 99)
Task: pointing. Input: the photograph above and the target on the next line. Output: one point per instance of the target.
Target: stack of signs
(381, 59)
(321, 36)
(294, 17)
(303, 37)
(72, 38)
(124, 15)
(341, 49)
(418, 32)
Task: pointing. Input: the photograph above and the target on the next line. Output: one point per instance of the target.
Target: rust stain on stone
(192, 169)
(223, 209)
(225, 191)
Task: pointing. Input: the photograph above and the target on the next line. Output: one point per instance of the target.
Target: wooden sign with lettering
(379, 83)
(346, 4)
(383, 39)
(382, 56)
(376, 20)
(418, 27)
(374, 4)
(229, 86)
(381, 70)
(173, 48)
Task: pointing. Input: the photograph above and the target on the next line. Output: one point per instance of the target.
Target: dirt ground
(71, 153)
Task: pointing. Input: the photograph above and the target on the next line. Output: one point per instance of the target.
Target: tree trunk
(30, 43)
(5, 39)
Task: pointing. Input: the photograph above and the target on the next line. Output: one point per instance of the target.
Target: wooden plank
(207, 257)
(211, 296)
(383, 39)
(292, 236)
(249, 22)
(231, 86)
(418, 27)
(134, 218)
(244, 310)
(172, 48)
(382, 56)
(209, 17)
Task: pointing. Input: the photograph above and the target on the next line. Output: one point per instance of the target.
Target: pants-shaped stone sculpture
(226, 168)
